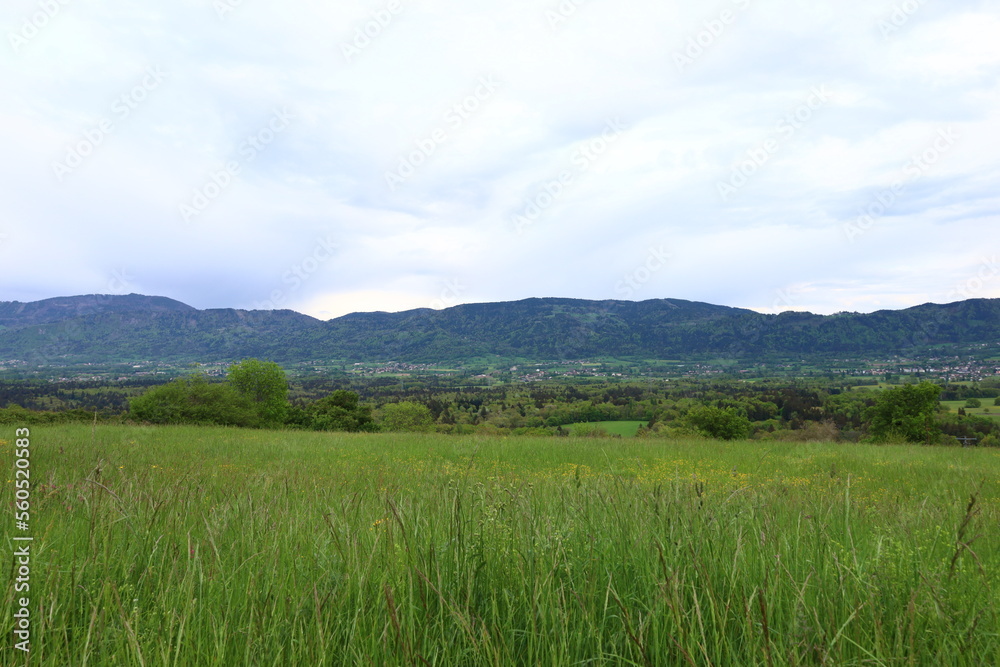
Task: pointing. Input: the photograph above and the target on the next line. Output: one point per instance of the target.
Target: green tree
(341, 411)
(905, 413)
(847, 410)
(194, 400)
(720, 423)
(265, 385)
(973, 403)
(406, 416)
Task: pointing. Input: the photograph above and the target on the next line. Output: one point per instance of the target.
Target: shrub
(264, 384)
(15, 415)
(720, 423)
(406, 416)
(904, 414)
(194, 401)
(341, 411)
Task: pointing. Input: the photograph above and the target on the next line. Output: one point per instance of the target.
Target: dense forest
(100, 329)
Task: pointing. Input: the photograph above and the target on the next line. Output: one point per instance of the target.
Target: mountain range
(101, 328)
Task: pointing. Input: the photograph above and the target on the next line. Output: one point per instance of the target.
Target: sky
(337, 157)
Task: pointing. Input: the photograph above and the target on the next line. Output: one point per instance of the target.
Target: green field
(986, 410)
(211, 546)
(626, 429)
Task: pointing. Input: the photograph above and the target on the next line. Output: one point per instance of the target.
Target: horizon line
(758, 310)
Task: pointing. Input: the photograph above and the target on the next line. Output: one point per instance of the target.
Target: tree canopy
(406, 416)
(264, 384)
(721, 423)
(194, 400)
(905, 413)
(341, 411)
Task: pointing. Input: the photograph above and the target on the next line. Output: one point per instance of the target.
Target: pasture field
(986, 410)
(626, 429)
(213, 546)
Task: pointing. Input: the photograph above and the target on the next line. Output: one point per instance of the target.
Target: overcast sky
(333, 157)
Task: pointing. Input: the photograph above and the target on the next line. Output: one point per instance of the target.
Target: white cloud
(558, 85)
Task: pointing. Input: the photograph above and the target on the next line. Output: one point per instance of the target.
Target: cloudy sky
(333, 157)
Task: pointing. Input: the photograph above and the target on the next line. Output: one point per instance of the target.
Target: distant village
(941, 369)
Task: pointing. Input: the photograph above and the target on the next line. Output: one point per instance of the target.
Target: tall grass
(184, 546)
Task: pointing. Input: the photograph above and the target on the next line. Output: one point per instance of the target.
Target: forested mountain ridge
(108, 328)
(15, 313)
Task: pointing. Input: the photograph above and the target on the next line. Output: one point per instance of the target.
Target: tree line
(257, 394)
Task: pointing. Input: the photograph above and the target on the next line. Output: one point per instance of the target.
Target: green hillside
(100, 328)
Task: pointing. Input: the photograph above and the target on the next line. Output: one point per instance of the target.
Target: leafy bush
(720, 423)
(340, 411)
(15, 415)
(904, 414)
(195, 401)
(971, 426)
(406, 416)
(264, 384)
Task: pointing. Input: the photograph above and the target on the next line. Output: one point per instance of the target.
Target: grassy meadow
(625, 429)
(987, 409)
(213, 546)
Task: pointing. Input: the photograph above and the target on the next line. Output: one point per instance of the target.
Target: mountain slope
(125, 328)
(14, 313)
